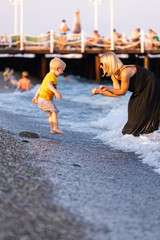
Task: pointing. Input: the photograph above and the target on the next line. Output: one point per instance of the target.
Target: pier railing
(80, 42)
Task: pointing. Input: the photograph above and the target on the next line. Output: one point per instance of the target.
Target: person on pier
(116, 35)
(4, 41)
(152, 39)
(135, 35)
(63, 30)
(44, 95)
(144, 103)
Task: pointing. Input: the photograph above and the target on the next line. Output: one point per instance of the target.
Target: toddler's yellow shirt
(45, 92)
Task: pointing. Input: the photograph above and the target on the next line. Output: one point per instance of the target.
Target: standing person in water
(24, 82)
(144, 103)
(48, 88)
(6, 77)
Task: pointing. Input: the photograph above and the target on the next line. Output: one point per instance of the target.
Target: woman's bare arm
(96, 91)
(125, 79)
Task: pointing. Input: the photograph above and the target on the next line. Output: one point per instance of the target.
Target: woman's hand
(95, 91)
(103, 88)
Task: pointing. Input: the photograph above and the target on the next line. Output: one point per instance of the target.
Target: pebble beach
(27, 212)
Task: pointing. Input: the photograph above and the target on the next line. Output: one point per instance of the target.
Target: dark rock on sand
(28, 134)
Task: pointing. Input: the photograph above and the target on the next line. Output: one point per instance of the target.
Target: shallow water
(100, 185)
(79, 111)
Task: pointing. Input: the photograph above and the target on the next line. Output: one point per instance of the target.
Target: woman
(144, 103)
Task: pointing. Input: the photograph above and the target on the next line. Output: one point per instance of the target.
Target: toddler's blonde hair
(56, 63)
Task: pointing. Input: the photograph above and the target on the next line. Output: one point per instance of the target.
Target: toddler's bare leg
(54, 124)
(49, 114)
(50, 123)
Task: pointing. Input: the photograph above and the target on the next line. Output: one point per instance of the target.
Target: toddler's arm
(53, 89)
(35, 99)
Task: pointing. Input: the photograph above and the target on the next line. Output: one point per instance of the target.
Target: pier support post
(44, 66)
(41, 66)
(91, 66)
(146, 61)
(97, 68)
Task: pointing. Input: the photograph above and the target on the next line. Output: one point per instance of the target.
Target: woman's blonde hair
(56, 63)
(111, 63)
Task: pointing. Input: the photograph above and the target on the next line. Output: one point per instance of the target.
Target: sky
(41, 16)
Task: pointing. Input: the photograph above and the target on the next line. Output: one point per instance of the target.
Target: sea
(102, 116)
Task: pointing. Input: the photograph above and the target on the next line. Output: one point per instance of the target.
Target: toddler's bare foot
(57, 131)
(52, 132)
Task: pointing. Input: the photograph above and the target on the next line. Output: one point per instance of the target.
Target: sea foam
(100, 115)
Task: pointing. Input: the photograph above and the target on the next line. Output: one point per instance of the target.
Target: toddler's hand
(58, 96)
(35, 100)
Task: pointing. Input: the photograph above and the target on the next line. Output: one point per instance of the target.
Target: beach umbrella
(76, 23)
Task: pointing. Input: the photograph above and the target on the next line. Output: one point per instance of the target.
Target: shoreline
(36, 183)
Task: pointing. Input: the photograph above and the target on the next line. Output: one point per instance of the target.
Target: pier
(33, 53)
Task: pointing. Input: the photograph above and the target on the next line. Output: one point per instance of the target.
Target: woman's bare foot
(57, 131)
